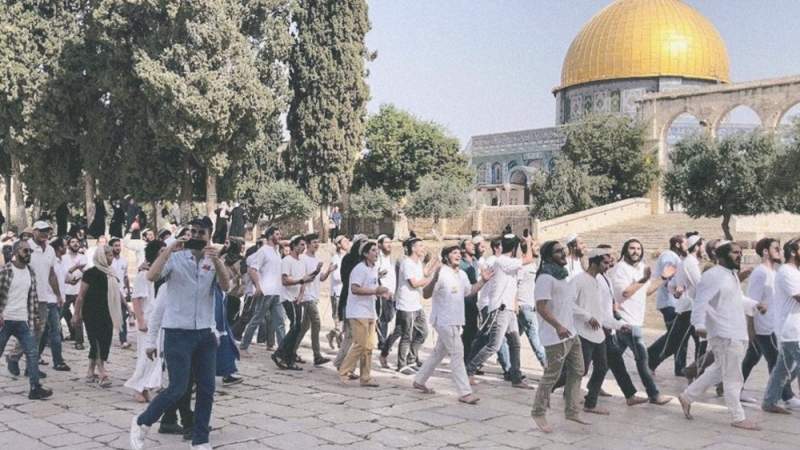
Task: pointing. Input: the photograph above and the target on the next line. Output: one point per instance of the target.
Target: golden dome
(646, 38)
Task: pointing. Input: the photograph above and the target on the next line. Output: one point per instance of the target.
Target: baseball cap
(40, 225)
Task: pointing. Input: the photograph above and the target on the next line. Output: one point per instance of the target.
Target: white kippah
(477, 239)
(572, 238)
(595, 252)
(694, 239)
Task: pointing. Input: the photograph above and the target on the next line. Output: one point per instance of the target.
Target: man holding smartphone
(190, 267)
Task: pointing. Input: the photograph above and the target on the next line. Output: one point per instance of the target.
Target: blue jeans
(20, 330)
(264, 304)
(529, 324)
(52, 333)
(635, 342)
(786, 369)
(185, 350)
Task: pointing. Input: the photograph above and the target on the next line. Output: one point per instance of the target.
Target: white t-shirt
(17, 306)
(268, 264)
(362, 306)
(486, 262)
(622, 276)
(295, 269)
(574, 267)
(664, 298)
(787, 285)
(389, 280)
(447, 307)
(62, 271)
(120, 268)
(506, 270)
(561, 302)
(336, 276)
(145, 290)
(592, 303)
(687, 277)
(409, 298)
(311, 293)
(42, 261)
(71, 261)
(526, 283)
(761, 288)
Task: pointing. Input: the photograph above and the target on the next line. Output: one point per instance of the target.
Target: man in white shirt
(342, 247)
(631, 283)
(555, 303)
(682, 288)
(490, 251)
(310, 300)
(761, 288)
(527, 319)
(501, 320)
(43, 262)
(786, 304)
(120, 266)
(75, 262)
(19, 312)
(264, 270)
(719, 312)
(449, 287)
(385, 307)
(576, 249)
(665, 300)
(410, 324)
(294, 279)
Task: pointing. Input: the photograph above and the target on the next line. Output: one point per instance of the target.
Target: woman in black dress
(98, 306)
(117, 220)
(98, 225)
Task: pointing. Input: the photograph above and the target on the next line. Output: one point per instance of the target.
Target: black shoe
(187, 436)
(61, 367)
(507, 376)
(278, 361)
(41, 374)
(479, 372)
(231, 379)
(293, 367)
(321, 360)
(170, 428)
(42, 362)
(39, 393)
(13, 366)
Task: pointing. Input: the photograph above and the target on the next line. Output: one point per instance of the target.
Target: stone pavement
(310, 409)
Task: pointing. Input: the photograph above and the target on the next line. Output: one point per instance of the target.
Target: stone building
(629, 49)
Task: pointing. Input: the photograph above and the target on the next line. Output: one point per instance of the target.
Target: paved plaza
(310, 409)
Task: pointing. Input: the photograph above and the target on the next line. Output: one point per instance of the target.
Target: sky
(488, 66)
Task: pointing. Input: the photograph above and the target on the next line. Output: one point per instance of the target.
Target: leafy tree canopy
(278, 201)
(370, 203)
(439, 197)
(566, 189)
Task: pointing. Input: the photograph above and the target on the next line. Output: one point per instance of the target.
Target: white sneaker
(792, 403)
(138, 433)
(205, 446)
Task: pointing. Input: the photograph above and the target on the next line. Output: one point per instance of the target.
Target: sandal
(91, 379)
(469, 399)
(105, 382)
(423, 388)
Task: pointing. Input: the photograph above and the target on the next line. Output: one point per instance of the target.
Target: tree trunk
(156, 214)
(726, 226)
(7, 181)
(211, 193)
(323, 228)
(21, 219)
(88, 197)
(186, 191)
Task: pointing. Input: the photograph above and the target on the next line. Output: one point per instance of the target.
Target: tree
(785, 184)
(723, 178)
(439, 198)
(370, 204)
(613, 146)
(566, 189)
(402, 149)
(328, 108)
(278, 201)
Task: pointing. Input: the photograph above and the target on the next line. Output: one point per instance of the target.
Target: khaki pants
(566, 356)
(310, 320)
(365, 338)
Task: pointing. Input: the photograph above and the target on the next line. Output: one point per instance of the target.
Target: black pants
(182, 407)
(286, 351)
(411, 328)
(616, 363)
(75, 332)
(764, 345)
(470, 329)
(386, 313)
(99, 332)
(674, 342)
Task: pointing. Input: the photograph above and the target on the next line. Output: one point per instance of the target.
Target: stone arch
(511, 164)
(789, 114)
(737, 119)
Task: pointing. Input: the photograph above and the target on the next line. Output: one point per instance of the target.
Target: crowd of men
(579, 308)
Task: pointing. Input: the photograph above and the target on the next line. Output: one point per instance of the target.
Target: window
(497, 173)
(483, 173)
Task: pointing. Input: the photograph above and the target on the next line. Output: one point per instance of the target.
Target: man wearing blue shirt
(189, 342)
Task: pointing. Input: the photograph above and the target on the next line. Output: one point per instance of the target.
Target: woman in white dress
(147, 375)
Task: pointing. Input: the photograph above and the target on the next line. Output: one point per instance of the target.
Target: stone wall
(767, 224)
(592, 219)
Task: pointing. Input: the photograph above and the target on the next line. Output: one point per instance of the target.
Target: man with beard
(763, 341)
(526, 316)
(120, 266)
(719, 312)
(385, 306)
(576, 248)
(342, 247)
(75, 262)
(632, 284)
(665, 301)
(469, 264)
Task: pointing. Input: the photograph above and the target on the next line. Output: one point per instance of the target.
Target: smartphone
(194, 244)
